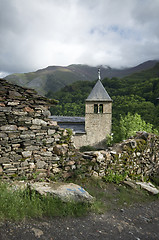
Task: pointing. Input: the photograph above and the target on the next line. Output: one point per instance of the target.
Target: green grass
(112, 196)
(17, 205)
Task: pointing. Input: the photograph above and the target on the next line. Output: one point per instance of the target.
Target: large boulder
(66, 192)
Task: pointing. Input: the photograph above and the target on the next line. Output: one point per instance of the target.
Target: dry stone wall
(30, 143)
(135, 158)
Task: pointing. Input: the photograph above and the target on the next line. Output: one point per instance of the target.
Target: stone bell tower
(98, 115)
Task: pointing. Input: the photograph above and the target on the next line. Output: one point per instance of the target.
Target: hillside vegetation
(57, 77)
(136, 93)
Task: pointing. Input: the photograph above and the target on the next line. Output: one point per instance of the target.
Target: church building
(94, 127)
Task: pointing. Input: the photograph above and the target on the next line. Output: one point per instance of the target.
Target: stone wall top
(16, 95)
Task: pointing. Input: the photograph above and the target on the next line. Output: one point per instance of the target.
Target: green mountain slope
(56, 77)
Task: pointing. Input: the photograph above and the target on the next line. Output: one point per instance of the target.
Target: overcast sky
(35, 34)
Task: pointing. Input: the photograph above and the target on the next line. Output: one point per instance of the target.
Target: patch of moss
(141, 145)
(22, 159)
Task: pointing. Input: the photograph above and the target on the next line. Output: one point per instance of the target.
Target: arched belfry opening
(98, 108)
(95, 108)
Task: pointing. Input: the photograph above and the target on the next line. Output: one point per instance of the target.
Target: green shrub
(109, 140)
(114, 177)
(129, 125)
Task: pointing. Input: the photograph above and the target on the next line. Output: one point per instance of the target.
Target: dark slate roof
(77, 128)
(68, 119)
(99, 93)
(77, 124)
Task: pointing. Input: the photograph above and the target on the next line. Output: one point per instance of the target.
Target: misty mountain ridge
(53, 78)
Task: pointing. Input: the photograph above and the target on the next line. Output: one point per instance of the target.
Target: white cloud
(3, 74)
(38, 33)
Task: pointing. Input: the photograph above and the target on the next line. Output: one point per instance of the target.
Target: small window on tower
(95, 108)
(101, 108)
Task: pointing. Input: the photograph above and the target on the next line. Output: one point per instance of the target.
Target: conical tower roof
(99, 93)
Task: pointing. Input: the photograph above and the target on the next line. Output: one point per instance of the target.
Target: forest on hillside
(136, 93)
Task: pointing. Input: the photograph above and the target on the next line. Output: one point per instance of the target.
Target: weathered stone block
(51, 131)
(57, 137)
(41, 133)
(53, 123)
(15, 146)
(16, 164)
(40, 164)
(25, 119)
(7, 165)
(55, 158)
(38, 121)
(5, 109)
(37, 157)
(13, 94)
(39, 140)
(70, 163)
(56, 170)
(49, 140)
(22, 128)
(41, 175)
(25, 163)
(8, 148)
(28, 136)
(15, 103)
(8, 128)
(2, 105)
(32, 148)
(60, 150)
(4, 143)
(26, 154)
(11, 170)
(46, 154)
(32, 165)
(46, 113)
(4, 160)
(19, 113)
(28, 109)
(37, 114)
(35, 127)
(47, 159)
(3, 122)
(50, 149)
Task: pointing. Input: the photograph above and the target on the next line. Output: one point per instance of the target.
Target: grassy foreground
(17, 205)
(112, 196)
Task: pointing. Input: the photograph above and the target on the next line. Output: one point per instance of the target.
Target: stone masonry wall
(30, 142)
(135, 158)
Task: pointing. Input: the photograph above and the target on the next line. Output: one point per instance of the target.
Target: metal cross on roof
(99, 77)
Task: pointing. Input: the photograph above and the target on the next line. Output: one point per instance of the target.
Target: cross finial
(99, 78)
